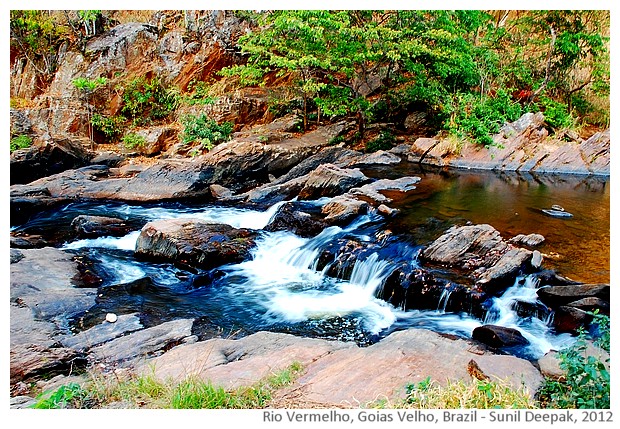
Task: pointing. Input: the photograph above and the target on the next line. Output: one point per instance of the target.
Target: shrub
(556, 114)
(205, 130)
(587, 380)
(384, 141)
(111, 126)
(198, 94)
(20, 142)
(133, 141)
(148, 98)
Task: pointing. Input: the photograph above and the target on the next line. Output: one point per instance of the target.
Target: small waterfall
(443, 300)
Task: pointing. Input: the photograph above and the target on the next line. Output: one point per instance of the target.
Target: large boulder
(290, 218)
(479, 251)
(499, 336)
(555, 296)
(47, 158)
(329, 180)
(194, 242)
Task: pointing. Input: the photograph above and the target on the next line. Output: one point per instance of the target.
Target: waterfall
(443, 300)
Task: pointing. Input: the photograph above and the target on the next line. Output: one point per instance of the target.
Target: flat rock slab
(103, 332)
(337, 373)
(43, 281)
(243, 362)
(143, 343)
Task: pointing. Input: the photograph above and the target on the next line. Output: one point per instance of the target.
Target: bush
(385, 141)
(556, 114)
(144, 98)
(205, 130)
(111, 126)
(133, 141)
(587, 380)
(20, 142)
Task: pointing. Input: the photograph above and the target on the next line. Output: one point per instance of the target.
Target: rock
(459, 244)
(47, 158)
(111, 317)
(555, 296)
(511, 263)
(194, 242)
(303, 224)
(110, 159)
(372, 191)
(98, 226)
(31, 360)
(342, 209)
(387, 211)
(381, 370)
(379, 157)
(43, 281)
(157, 139)
(16, 256)
(596, 153)
(329, 180)
(570, 319)
(242, 362)
(499, 336)
(414, 121)
(103, 332)
(140, 344)
(591, 304)
(530, 240)
(220, 192)
(537, 259)
(549, 364)
(27, 241)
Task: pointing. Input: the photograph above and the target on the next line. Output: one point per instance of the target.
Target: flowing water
(283, 288)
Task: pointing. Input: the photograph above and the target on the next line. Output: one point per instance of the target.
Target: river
(282, 289)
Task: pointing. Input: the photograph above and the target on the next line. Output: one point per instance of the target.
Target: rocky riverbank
(55, 331)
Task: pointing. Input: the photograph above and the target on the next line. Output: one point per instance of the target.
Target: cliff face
(176, 50)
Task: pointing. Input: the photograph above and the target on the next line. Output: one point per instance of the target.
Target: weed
(133, 141)
(385, 141)
(20, 142)
(205, 130)
(70, 395)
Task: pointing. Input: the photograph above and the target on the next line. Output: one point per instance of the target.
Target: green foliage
(89, 85)
(205, 130)
(70, 395)
(385, 141)
(111, 126)
(20, 142)
(148, 98)
(198, 93)
(477, 118)
(587, 381)
(556, 114)
(133, 141)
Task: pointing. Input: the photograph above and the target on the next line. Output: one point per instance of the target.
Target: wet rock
(16, 256)
(43, 281)
(537, 259)
(329, 180)
(387, 211)
(570, 319)
(29, 241)
(47, 158)
(591, 304)
(499, 336)
(530, 240)
(98, 226)
(557, 213)
(288, 218)
(140, 344)
(373, 191)
(555, 296)
(194, 242)
(220, 192)
(512, 262)
(342, 209)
